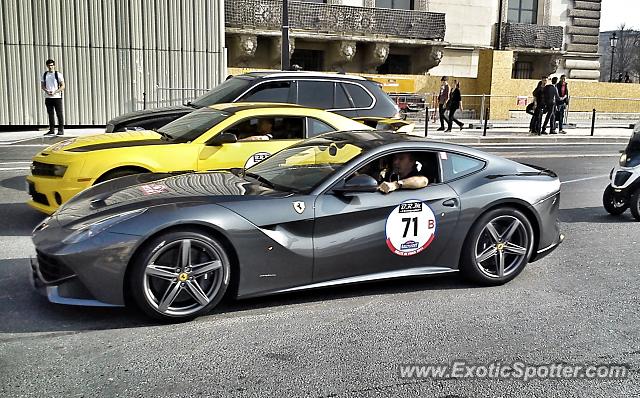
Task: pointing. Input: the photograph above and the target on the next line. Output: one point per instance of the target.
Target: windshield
(193, 125)
(225, 92)
(303, 167)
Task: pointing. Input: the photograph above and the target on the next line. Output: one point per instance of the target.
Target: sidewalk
(498, 134)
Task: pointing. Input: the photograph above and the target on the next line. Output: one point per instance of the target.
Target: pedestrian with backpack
(52, 83)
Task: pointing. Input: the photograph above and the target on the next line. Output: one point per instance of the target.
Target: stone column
(340, 53)
(242, 48)
(375, 54)
(275, 51)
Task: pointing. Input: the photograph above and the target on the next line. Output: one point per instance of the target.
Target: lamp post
(613, 41)
(284, 57)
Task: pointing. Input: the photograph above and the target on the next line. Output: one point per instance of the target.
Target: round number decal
(411, 227)
(256, 158)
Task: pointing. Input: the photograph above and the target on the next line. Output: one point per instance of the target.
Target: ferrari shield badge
(299, 207)
(411, 227)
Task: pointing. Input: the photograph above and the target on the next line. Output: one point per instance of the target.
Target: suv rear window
(361, 97)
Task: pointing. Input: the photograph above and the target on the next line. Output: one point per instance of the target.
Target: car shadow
(593, 215)
(26, 311)
(18, 219)
(16, 183)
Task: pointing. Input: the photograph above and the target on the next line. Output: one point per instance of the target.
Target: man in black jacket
(551, 98)
(538, 98)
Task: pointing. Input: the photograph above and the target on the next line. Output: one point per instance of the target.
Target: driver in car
(264, 131)
(405, 175)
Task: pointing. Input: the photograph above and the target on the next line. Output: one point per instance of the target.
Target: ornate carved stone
(275, 52)
(242, 49)
(340, 53)
(431, 59)
(375, 54)
(553, 64)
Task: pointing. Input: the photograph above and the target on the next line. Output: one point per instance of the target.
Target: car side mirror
(223, 138)
(359, 183)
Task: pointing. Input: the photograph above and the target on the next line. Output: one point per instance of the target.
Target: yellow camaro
(222, 136)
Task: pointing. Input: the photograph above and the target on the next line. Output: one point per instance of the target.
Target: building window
(396, 4)
(311, 60)
(522, 70)
(396, 64)
(523, 11)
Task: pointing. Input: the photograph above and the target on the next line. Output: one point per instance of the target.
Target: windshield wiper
(261, 179)
(165, 136)
(192, 105)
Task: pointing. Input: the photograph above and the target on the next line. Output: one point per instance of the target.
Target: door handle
(453, 202)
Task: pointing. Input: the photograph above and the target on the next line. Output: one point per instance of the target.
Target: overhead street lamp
(613, 42)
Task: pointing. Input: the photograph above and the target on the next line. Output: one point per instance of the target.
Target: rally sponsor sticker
(152, 189)
(411, 227)
(256, 158)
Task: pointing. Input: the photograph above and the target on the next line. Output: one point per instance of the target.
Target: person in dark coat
(455, 103)
(551, 98)
(443, 97)
(563, 92)
(538, 102)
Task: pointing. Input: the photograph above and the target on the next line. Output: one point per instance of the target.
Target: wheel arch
(195, 226)
(133, 167)
(518, 204)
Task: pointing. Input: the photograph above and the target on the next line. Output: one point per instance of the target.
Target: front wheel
(498, 247)
(634, 204)
(612, 205)
(179, 275)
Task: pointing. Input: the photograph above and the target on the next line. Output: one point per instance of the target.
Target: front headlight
(623, 159)
(86, 231)
(59, 170)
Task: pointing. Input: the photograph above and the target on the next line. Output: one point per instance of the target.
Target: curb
(531, 140)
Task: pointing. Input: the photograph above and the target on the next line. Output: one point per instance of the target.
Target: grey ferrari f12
(309, 216)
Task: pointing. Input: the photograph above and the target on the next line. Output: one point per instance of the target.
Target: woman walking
(455, 103)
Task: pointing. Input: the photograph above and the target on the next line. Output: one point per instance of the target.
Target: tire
(502, 233)
(634, 204)
(172, 288)
(110, 175)
(610, 205)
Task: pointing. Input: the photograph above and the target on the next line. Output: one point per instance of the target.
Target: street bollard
(486, 119)
(593, 122)
(426, 120)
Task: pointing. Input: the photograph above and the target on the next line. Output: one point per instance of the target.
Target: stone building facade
(439, 37)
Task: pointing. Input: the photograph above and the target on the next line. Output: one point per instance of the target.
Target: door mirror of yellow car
(223, 138)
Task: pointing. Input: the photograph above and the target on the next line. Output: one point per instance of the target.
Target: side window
(398, 166)
(455, 165)
(361, 97)
(278, 127)
(315, 94)
(315, 127)
(341, 100)
(269, 92)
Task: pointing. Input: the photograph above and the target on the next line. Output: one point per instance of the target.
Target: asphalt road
(580, 305)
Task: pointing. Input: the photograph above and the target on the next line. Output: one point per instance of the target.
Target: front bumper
(48, 193)
(68, 291)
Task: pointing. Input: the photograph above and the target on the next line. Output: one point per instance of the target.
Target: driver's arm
(415, 182)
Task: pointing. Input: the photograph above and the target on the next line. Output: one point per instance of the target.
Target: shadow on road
(18, 219)
(593, 215)
(25, 311)
(16, 183)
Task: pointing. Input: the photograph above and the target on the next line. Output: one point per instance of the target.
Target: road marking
(24, 146)
(584, 179)
(15, 162)
(14, 168)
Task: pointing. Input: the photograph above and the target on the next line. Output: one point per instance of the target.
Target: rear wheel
(611, 204)
(498, 247)
(634, 204)
(179, 275)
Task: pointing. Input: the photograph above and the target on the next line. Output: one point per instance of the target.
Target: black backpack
(55, 73)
